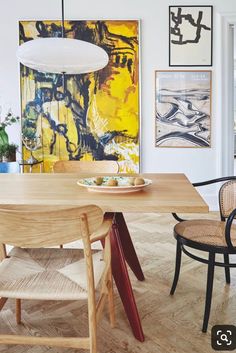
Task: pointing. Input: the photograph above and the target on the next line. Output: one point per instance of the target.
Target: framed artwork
(92, 116)
(190, 35)
(183, 108)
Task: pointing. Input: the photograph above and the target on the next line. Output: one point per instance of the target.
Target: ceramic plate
(123, 184)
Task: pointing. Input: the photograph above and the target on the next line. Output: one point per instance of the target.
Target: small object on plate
(115, 184)
(98, 181)
(139, 181)
(131, 181)
(112, 182)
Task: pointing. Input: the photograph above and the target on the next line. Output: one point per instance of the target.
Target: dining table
(168, 193)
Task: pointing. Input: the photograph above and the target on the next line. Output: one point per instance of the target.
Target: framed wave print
(183, 108)
(190, 35)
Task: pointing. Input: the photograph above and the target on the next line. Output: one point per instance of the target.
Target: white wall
(198, 164)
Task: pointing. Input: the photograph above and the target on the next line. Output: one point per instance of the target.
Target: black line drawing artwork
(190, 35)
(178, 21)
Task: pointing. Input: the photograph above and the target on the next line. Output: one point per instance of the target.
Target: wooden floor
(171, 324)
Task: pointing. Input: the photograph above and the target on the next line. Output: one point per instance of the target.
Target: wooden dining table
(168, 193)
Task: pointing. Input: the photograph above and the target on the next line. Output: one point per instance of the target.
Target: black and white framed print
(190, 35)
(183, 108)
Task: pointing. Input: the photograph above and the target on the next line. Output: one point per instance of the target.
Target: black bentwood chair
(214, 237)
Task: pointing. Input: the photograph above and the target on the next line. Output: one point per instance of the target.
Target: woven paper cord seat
(46, 271)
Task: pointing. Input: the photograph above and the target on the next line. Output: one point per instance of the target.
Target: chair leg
(227, 269)
(18, 311)
(177, 267)
(210, 278)
(111, 301)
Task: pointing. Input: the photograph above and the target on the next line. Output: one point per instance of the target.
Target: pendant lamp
(62, 55)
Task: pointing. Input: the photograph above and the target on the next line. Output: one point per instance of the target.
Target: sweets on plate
(139, 181)
(98, 181)
(131, 181)
(112, 182)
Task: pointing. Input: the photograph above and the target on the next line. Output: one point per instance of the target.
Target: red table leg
(2, 302)
(122, 280)
(128, 247)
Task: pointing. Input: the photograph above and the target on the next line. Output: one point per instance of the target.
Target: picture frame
(77, 122)
(190, 35)
(183, 108)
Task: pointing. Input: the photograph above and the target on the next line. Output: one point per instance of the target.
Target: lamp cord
(63, 36)
(62, 19)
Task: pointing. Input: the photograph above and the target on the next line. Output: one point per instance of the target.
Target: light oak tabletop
(168, 193)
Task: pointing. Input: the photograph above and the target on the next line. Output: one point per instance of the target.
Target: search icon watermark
(223, 337)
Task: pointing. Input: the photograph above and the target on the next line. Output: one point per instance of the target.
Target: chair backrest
(86, 167)
(44, 226)
(227, 198)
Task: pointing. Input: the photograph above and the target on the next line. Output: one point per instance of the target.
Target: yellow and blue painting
(91, 116)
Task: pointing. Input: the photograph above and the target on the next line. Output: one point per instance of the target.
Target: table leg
(121, 277)
(2, 302)
(128, 247)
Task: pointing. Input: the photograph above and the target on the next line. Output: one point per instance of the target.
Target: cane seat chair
(86, 167)
(211, 236)
(35, 270)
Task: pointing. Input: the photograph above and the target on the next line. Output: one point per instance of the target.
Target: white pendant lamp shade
(62, 55)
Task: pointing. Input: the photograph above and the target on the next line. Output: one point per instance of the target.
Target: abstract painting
(91, 116)
(183, 108)
(190, 35)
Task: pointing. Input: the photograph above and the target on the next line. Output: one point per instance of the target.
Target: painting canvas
(183, 108)
(190, 35)
(92, 116)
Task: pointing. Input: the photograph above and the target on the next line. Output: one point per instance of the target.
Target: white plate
(123, 185)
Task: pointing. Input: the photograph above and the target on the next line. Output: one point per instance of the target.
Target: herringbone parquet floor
(171, 324)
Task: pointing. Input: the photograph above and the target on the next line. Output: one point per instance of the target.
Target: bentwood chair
(86, 167)
(35, 270)
(211, 236)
